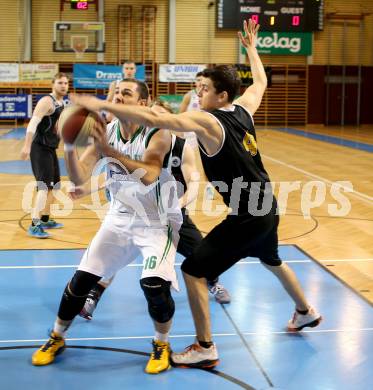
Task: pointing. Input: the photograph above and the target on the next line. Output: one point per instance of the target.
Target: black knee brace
(75, 294)
(274, 261)
(157, 292)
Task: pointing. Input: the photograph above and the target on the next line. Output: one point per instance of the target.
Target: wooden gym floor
(341, 244)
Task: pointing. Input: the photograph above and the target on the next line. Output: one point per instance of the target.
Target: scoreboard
(81, 4)
(272, 15)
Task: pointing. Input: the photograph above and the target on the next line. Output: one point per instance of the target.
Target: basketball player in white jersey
(182, 165)
(190, 102)
(140, 221)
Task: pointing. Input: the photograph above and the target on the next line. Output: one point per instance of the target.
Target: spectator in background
(129, 72)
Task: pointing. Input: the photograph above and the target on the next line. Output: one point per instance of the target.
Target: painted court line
(331, 139)
(357, 194)
(347, 330)
(344, 260)
(129, 265)
(178, 264)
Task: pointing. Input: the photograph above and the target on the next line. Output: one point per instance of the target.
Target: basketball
(75, 125)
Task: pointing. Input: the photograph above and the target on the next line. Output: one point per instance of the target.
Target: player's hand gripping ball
(75, 125)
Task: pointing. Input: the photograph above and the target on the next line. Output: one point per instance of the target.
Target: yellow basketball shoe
(47, 352)
(160, 358)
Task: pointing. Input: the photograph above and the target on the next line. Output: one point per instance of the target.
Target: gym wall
(196, 37)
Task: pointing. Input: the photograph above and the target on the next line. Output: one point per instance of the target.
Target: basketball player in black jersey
(40, 145)
(230, 156)
(182, 167)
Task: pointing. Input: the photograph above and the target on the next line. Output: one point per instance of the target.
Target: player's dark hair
(199, 74)
(224, 78)
(142, 88)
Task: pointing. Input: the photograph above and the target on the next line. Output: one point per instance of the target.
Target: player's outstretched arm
(203, 124)
(253, 95)
(197, 122)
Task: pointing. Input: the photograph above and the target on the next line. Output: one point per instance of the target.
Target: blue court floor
(256, 352)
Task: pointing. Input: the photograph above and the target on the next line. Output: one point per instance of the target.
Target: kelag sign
(15, 106)
(282, 43)
(90, 76)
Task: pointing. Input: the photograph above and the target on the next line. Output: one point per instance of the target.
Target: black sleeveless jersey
(237, 166)
(46, 132)
(176, 162)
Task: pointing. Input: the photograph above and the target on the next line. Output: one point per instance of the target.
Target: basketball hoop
(79, 37)
(79, 43)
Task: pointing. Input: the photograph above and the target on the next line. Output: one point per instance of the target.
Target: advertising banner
(27, 75)
(182, 73)
(39, 73)
(9, 73)
(92, 76)
(15, 106)
(281, 43)
(244, 72)
(173, 100)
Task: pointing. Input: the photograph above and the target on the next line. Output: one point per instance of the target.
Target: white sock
(60, 327)
(40, 202)
(161, 337)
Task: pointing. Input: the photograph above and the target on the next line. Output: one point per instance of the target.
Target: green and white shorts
(119, 242)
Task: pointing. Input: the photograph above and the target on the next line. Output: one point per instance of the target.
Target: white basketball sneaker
(196, 356)
(300, 321)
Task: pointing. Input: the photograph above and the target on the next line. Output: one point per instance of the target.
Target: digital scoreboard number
(79, 4)
(272, 15)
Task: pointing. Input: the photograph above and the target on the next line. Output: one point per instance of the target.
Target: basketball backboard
(79, 37)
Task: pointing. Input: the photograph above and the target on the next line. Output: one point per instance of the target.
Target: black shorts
(235, 238)
(44, 163)
(190, 236)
